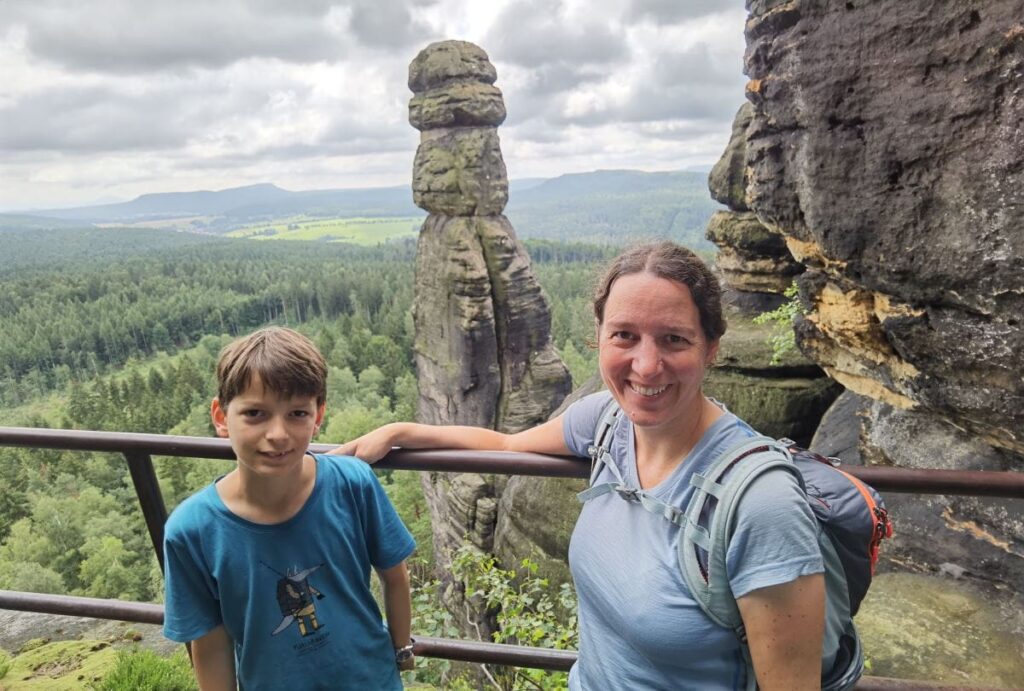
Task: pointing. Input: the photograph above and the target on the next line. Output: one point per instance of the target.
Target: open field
(359, 231)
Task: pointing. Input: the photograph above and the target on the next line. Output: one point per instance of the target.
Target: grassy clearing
(58, 666)
(90, 664)
(359, 231)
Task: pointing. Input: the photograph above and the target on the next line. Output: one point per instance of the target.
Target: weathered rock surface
(457, 105)
(839, 431)
(781, 399)
(896, 175)
(753, 259)
(483, 349)
(728, 179)
(943, 629)
(446, 62)
(460, 172)
(984, 536)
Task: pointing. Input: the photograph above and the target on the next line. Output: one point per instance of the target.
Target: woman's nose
(647, 358)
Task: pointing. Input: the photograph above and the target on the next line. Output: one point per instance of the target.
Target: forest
(119, 330)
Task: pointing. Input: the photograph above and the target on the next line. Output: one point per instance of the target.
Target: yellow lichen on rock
(973, 529)
(808, 252)
(887, 306)
(854, 349)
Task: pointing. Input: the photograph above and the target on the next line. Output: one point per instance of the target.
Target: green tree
(105, 570)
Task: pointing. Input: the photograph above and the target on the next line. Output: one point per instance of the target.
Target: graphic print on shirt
(297, 597)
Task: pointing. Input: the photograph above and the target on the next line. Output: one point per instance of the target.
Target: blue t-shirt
(639, 626)
(294, 597)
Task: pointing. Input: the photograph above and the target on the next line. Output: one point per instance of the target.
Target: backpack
(850, 513)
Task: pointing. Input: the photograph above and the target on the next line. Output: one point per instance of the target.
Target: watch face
(403, 655)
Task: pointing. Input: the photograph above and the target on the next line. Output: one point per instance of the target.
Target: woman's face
(652, 351)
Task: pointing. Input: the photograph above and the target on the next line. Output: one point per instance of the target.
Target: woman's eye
(622, 335)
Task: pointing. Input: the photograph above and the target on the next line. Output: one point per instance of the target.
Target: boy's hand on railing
(371, 447)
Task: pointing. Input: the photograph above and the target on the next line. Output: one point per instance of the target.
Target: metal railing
(138, 450)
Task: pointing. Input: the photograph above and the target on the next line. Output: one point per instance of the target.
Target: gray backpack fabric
(851, 515)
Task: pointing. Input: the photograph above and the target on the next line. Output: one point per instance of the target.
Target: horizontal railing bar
(426, 646)
(94, 608)
(963, 482)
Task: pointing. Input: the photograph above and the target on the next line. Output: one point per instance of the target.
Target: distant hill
(606, 207)
(616, 206)
(242, 205)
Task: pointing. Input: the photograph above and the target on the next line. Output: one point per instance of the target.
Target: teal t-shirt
(639, 626)
(295, 596)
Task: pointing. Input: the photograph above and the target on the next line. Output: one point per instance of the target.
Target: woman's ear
(219, 416)
(712, 353)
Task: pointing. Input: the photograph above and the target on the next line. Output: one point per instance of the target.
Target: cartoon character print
(296, 597)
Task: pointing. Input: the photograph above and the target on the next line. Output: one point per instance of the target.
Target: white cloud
(115, 98)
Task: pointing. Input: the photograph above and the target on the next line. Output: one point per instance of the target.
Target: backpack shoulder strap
(708, 527)
(599, 453)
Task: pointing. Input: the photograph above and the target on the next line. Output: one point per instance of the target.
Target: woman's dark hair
(675, 263)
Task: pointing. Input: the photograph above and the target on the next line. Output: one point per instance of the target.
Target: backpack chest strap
(649, 503)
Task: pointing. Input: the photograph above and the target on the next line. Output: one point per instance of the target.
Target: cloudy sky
(108, 99)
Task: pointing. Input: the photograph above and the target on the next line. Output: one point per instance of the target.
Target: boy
(267, 569)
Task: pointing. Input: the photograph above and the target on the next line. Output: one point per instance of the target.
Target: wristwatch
(404, 654)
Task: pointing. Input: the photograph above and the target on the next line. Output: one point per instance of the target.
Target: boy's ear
(320, 414)
(220, 418)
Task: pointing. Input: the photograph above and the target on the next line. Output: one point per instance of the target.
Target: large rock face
(896, 175)
(886, 145)
(483, 351)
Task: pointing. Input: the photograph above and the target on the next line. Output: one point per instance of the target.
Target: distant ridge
(261, 200)
(603, 206)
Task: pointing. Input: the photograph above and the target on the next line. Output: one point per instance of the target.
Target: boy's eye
(301, 413)
(251, 413)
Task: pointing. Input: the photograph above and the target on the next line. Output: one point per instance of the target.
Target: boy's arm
(213, 657)
(398, 606)
(546, 438)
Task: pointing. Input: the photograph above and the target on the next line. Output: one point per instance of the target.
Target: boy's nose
(276, 429)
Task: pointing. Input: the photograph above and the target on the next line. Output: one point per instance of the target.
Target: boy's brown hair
(285, 361)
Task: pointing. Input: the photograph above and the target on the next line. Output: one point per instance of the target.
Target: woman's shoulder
(579, 422)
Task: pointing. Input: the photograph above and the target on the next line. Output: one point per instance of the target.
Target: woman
(659, 319)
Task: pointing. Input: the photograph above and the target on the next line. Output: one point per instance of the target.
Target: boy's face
(269, 433)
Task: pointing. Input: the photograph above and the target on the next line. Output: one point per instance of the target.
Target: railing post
(147, 489)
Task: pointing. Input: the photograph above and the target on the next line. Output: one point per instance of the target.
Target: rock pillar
(483, 349)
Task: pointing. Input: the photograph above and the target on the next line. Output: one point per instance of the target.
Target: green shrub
(527, 610)
(144, 670)
(783, 340)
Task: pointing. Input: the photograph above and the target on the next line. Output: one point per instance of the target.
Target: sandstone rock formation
(752, 259)
(483, 351)
(886, 145)
(781, 398)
